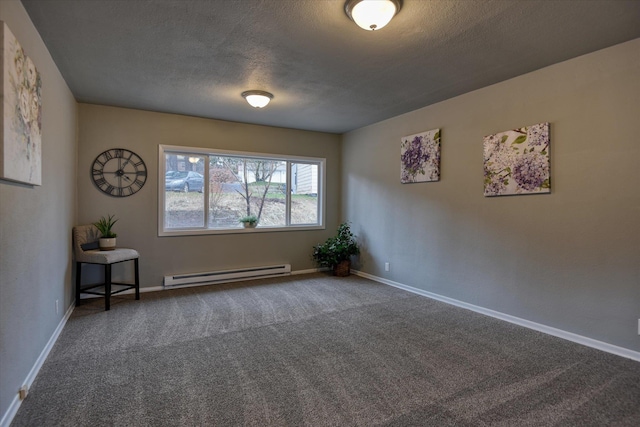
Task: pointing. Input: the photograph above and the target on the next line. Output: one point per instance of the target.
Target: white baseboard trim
(589, 342)
(15, 404)
(162, 288)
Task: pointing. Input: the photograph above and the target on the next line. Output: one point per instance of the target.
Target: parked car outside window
(184, 181)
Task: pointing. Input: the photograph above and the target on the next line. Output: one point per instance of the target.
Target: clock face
(119, 172)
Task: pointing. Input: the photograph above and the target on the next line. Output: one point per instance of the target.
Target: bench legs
(107, 283)
(78, 281)
(137, 279)
(107, 287)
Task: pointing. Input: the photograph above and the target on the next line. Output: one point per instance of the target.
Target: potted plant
(249, 221)
(108, 237)
(336, 251)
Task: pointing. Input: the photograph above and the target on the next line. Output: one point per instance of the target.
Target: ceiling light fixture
(257, 98)
(372, 14)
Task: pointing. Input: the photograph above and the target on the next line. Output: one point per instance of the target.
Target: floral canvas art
(420, 157)
(517, 161)
(20, 151)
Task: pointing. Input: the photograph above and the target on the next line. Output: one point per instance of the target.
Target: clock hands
(122, 173)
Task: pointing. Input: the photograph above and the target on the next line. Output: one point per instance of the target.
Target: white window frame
(164, 149)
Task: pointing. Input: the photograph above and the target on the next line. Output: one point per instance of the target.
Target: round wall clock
(119, 172)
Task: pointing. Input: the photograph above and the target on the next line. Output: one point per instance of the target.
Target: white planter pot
(107, 244)
(249, 225)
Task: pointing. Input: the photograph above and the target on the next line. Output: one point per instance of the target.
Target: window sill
(208, 231)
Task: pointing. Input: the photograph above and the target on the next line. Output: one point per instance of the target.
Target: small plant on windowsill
(336, 251)
(249, 221)
(108, 237)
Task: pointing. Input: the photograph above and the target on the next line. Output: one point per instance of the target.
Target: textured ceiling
(196, 57)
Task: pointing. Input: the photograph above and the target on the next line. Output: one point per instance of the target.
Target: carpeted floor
(316, 350)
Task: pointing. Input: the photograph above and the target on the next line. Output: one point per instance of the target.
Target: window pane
(184, 191)
(224, 195)
(245, 186)
(304, 193)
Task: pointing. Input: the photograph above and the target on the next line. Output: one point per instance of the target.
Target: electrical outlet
(57, 307)
(386, 266)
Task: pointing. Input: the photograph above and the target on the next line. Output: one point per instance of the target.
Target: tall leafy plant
(104, 226)
(337, 248)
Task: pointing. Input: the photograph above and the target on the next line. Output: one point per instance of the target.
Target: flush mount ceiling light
(372, 14)
(257, 98)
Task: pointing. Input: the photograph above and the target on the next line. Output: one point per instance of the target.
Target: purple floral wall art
(420, 157)
(20, 148)
(517, 161)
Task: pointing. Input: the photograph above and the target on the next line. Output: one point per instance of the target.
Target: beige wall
(102, 128)
(569, 260)
(35, 225)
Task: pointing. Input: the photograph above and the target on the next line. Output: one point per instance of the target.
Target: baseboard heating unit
(225, 276)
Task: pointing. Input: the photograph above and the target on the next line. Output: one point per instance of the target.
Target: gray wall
(569, 260)
(103, 127)
(35, 224)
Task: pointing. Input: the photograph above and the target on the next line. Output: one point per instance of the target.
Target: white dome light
(372, 14)
(257, 98)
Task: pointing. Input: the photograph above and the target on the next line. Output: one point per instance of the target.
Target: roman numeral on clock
(101, 182)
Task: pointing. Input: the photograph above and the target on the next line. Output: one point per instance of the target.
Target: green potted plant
(249, 221)
(336, 251)
(108, 237)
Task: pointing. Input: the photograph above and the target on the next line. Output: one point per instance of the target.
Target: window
(284, 192)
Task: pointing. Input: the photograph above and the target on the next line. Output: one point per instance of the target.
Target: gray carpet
(315, 350)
